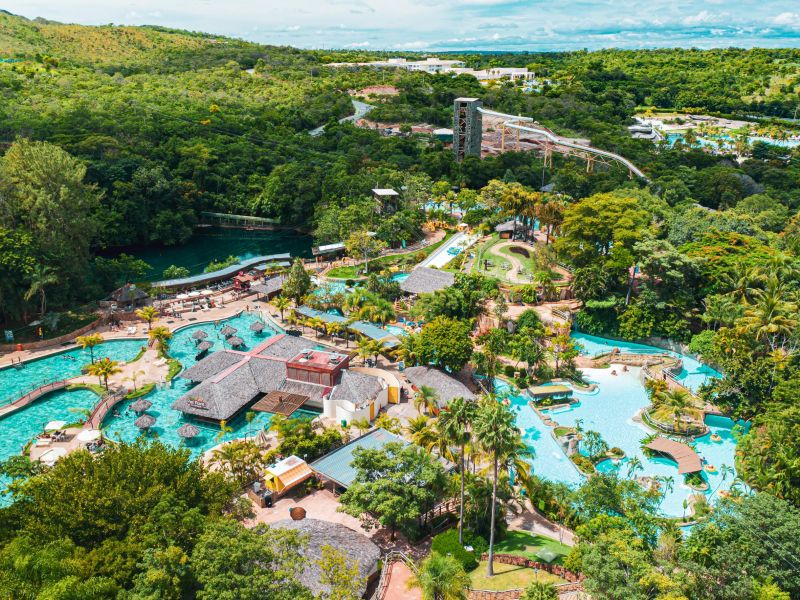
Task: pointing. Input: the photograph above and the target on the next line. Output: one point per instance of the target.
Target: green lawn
(508, 577)
(522, 543)
(353, 272)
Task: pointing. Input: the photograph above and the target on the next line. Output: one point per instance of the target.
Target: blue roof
(370, 330)
(221, 273)
(337, 465)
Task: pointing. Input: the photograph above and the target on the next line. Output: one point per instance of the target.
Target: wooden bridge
(238, 221)
(32, 396)
(101, 409)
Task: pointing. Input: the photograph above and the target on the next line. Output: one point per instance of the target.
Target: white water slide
(516, 123)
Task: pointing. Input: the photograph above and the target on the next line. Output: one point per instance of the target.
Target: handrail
(513, 123)
(106, 402)
(42, 388)
(391, 557)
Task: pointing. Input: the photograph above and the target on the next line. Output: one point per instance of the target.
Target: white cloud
(791, 19)
(357, 45)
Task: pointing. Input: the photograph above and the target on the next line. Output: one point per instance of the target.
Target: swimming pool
(693, 375)
(610, 412)
(395, 330)
(398, 277)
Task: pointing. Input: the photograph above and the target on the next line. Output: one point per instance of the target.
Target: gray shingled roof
(446, 386)
(211, 365)
(356, 547)
(356, 387)
(424, 280)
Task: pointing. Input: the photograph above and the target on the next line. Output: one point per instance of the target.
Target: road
(361, 110)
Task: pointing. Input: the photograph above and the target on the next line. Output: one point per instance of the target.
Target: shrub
(583, 463)
(447, 544)
(508, 370)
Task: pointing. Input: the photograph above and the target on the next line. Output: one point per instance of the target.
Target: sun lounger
(42, 442)
(132, 330)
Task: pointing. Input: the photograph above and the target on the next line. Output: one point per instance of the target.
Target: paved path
(439, 258)
(361, 110)
(531, 521)
(397, 583)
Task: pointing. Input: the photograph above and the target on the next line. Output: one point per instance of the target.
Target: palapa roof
(199, 335)
(356, 387)
(504, 227)
(257, 326)
(188, 431)
(141, 405)
(424, 280)
(285, 346)
(145, 421)
(357, 547)
(337, 466)
(211, 365)
(228, 330)
(128, 293)
(687, 459)
(447, 386)
(270, 286)
(235, 341)
(203, 346)
(546, 391)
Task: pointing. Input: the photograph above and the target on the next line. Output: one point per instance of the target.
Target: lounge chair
(132, 330)
(41, 442)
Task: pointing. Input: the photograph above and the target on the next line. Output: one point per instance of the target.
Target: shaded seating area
(687, 459)
(446, 386)
(424, 280)
(364, 328)
(228, 331)
(281, 403)
(550, 392)
(286, 474)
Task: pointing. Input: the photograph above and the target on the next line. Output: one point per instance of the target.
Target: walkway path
(397, 583)
(531, 521)
(361, 110)
(439, 258)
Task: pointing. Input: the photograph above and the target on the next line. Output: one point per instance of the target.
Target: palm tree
(441, 578)
(540, 590)
(90, 341)
(40, 278)
(223, 429)
(454, 424)
(426, 400)
(333, 328)
(421, 433)
(634, 465)
(103, 369)
(149, 314)
(677, 399)
(161, 335)
(667, 485)
(361, 424)
(495, 431)
(249, 416)
(134, 376)
(281, 304)
(364, 351)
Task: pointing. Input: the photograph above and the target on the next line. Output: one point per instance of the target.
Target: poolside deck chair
(132, 330)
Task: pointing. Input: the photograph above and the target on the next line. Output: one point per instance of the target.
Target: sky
(431, 25)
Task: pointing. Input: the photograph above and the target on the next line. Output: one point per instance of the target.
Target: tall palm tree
(161, 335)
(281, 304)
(441, 577)
(224, 428)
(361, 424)
(103, 369)
(421, 432)
(454, 424)
(677, 400)
(495, 431)
(426, 400)
(90, 341)
(149, 314)
(40, 279)
(364, 349)
(771, 319)
(634, 465)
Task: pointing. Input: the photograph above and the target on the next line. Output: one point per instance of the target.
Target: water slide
(516, 123)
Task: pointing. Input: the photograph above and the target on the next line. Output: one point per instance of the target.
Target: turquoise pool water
(17, 429)
(610, 411)
(400, 277)
(693, 375)
(395, 330)
(727, 141)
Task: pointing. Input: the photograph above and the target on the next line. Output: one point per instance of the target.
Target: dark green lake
(215, 243)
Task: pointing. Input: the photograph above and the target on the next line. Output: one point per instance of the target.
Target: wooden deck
(281, 403)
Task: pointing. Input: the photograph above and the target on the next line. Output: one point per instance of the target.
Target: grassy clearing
(353, 271)
(522, 543)
(508, 577)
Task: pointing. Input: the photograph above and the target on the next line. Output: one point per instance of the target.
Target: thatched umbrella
(235, 341)
(203, 346)
(258, 327)
(228, 331)
(145, 422)
(141, 405)
(199, 335)
(188, 431)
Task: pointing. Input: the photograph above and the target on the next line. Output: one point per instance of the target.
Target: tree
(340, 575)
(396, 484)
(361, 244)
(445, 343)
(231, 562)
(175, 272)
(297, 283)
(161, 335)
(103, 369)
(41, 277)
(164, 574)
(426, 400)
(540, 590)
(281, 303)
(495, 431)
(148, 314)
(90, 341)
(454, 423)
(441, 578)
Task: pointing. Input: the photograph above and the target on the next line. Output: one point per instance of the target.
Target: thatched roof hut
(258, 327)
(355, 546)
(199, 335)
(141, 405)
(424, 280)
(129, 294)
(188, 431)
(228, 331)
(211, 365)
(203, 346)
(145, 422)
(235, 341)
(446, 386)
